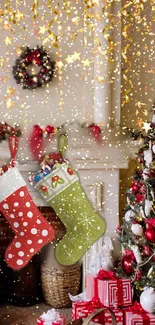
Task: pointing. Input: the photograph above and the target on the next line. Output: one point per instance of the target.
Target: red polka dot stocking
(32, 231)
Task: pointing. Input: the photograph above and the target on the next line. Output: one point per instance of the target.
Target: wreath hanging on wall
(33, 68)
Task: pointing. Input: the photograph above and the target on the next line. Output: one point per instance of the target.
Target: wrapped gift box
(136, 315)
(52, 317)
(112, 292)
(83, 309)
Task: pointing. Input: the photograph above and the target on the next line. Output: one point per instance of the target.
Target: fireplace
(98, 168)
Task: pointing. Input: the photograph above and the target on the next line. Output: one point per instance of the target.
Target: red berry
(55, 178)
(70, 171)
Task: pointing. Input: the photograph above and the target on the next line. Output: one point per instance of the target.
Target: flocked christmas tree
(138, 229)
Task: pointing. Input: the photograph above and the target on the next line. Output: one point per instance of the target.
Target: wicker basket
(57, 284)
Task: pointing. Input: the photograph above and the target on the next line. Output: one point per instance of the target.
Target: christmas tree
(138, 229)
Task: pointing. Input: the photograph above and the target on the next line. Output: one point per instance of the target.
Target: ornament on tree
(146, 250)
(147, 300)
(127, 263)
(148, 207)
(137, 254)
(129, 215)
(150, 235)
(153, 148)
(137, 229)
(146, 174)
(138, 275)
(148, 156)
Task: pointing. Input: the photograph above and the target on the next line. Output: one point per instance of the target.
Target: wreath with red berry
(33, 68)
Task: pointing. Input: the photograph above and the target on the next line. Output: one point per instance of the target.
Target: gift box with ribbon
(112, 291)
(52, 317)
(84, 309)
(136, 315)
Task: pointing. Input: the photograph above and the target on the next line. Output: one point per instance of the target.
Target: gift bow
(106, 275)
(109, 275)
(137, 309)
(51, 316)
(95, 303)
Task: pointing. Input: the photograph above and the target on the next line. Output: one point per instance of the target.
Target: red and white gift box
(136, 315)
(112, 291)
(52, 317)
(84, 309)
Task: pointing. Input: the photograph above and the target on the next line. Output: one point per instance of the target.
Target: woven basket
(57, 284)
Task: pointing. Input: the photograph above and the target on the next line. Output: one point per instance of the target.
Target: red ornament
(134, 186)
(127, 264)
(138, 275)
(50, 129)
(147, 250)
(139, 197)
(150, 235)
(152, 221)
(38, 132)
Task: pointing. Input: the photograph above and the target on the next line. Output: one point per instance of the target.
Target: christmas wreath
(33, 68)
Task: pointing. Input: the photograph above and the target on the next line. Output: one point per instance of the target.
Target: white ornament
(137, 229)
(153, 148)
(137, 254)
(106, 254)
(128, 215)
(142, 213)
(145, 173)
(147, 300)
(148, 206)
(148, 157)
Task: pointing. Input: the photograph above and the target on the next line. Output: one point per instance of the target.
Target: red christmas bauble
(127, 264)
(138, 275)
(147, 250)
(150, 235)
(49, 129)
(139, 197)
(38, 131)
(134, 186)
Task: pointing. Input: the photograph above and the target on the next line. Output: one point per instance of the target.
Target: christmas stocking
(31, 230)
(63, 192)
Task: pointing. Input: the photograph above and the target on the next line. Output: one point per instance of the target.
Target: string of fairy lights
(48, 18)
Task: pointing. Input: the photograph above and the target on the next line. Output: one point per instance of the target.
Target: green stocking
(63, 192)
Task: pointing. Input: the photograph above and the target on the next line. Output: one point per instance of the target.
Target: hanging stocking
(63, 192)
(32, 231)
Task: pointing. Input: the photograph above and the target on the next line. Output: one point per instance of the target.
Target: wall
(139, 36)
(64, 100)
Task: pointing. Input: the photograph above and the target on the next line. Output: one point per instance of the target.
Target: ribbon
(89, 307)
(137, 309)
(13, 145)
(109, 275)
(106, 275)
(62, 144)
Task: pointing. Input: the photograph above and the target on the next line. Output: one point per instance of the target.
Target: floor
(11, 315)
